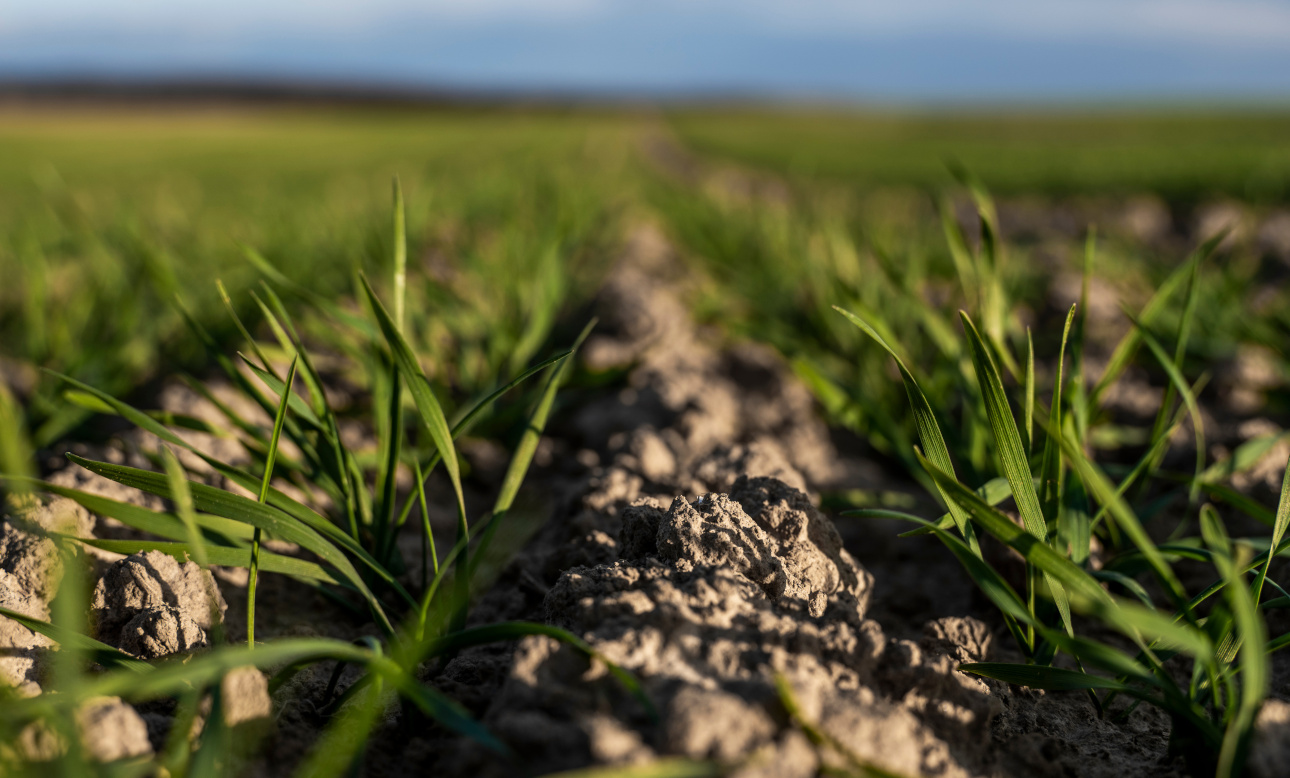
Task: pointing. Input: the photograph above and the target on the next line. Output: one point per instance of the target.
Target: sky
(856, 50)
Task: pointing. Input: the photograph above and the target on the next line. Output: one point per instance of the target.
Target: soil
(685, 543)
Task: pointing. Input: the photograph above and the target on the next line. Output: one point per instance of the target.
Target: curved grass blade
(1085, 592)
(223, 556)
(1029, 412)
(242, 509)
(1180, 384)
(467, 419)
(253, 579)
(1251, 634)
(237, 320)
(929, 431)
(1012, 454)
(1049, 678)
(427, 405)
(103, 653)
(994, 491)
(216, 528)
(526, 448)
(1280, 522)
(1110, 498)
(987, 579)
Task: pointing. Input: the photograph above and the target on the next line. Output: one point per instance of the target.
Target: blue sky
(896, 51)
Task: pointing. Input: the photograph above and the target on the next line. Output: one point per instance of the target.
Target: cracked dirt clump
(709, 602)
(110, 730)
(155, 581)
(158, 632)
(20, 648)
(29, 553)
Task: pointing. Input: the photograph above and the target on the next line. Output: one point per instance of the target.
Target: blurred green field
(1181, 154)
(107, 216)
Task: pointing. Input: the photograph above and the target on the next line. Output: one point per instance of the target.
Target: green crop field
(917, 271)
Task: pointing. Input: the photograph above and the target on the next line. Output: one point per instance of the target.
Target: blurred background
(794, 154)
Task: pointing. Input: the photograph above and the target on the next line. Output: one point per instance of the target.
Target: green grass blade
(237, 320)
(278, 420)
(223, 556)
(247, 511)
(1049, 678)
(102, 652)
(994, 491)
(1252, 635)
(929, 431)
(1029, 412)
(1012, 454)
(1180, 385)
(1280, 522)
(1050, 469)
(1110, 498)
(1086, 594)
(427, 405)
(527, 447)
(463, 424)
(400, 255)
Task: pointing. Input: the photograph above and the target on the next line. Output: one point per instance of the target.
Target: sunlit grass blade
(1252, 636)
(241, 328)
(1048, 678)
(1051, 467)
(253, 579)
(987, 579)
(1280, 522)
(1110, 498)
(929, 431)
(522, 458)
(427, 404)
(1028, 412)
(103, 653)
(1012, 454)
(1085, 592)
(225, 557)
(1180, 385)
(1125, 350)
(247, 511)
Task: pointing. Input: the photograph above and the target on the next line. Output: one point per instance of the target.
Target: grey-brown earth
(686, 545)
